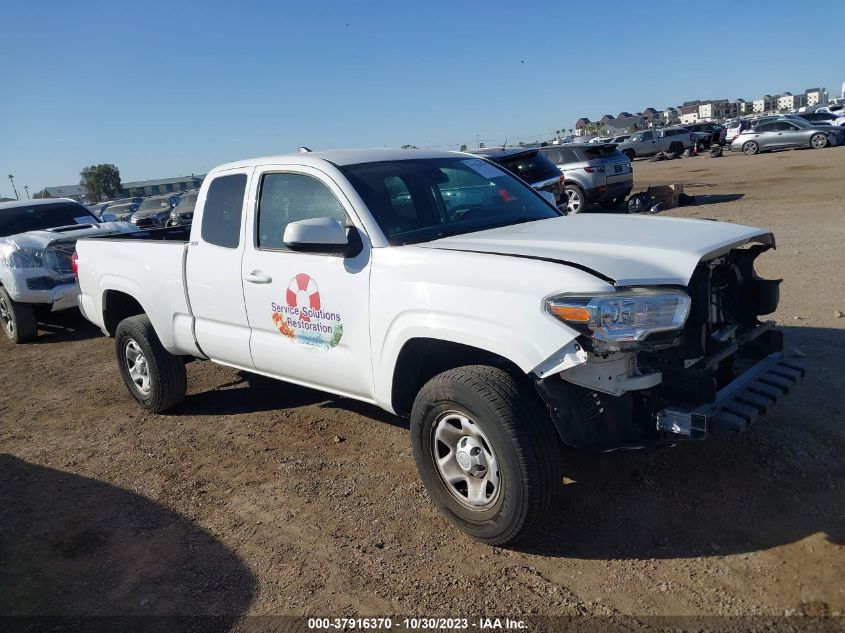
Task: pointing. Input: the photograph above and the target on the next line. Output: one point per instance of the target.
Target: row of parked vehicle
(148, 213)
(816, 130)
(576, 174)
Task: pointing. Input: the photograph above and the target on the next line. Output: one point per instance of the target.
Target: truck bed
(168, 234)
(148, 266)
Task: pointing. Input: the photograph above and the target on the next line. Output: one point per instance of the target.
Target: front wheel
(487, 452)
(155, 377)
(819, 141)
(750, 148)
(17, 319)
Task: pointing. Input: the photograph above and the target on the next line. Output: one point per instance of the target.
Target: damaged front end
(702, 363)
(38, 273)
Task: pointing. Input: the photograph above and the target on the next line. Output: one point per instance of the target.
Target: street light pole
(12, 179)
(26, 188)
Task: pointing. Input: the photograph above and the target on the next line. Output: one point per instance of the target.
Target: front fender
(523, 348)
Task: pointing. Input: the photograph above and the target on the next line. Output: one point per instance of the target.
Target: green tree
(463, 147)
(41, 194)
(100, 182)
(410, 147)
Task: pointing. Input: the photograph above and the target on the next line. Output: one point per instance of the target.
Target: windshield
(635, 137)
(425, 199)
(188, 200)
(154, 204)
(43, 216)
(532, 167)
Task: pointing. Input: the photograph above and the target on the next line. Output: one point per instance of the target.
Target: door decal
(301, 318)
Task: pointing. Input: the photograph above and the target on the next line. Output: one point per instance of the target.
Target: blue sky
(171, 88)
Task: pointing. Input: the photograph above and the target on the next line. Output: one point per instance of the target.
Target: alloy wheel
(138, 367)
(574, 201)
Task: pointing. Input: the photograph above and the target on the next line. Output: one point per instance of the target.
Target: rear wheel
(155, 377)
(750, 148)
(819, 141)
(629, 153)
(574, 199)
(17, 319)
(487, 452)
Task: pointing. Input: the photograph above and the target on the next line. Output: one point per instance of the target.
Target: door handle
(258, 277)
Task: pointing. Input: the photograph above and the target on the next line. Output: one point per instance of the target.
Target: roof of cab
(339, 157)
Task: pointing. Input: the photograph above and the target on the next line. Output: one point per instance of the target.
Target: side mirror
(322, 235)
(549, 197)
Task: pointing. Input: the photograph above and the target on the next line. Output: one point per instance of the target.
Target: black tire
(613, 203)
(701, 145)
(574, 199)
(629, 153)
(819, 141)
(750, 148)
(167, 380)
(521, 436)
(17, 319)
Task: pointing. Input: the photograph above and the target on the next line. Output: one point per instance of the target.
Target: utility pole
(12, 180)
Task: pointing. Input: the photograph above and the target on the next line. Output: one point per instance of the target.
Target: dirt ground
(257, 497)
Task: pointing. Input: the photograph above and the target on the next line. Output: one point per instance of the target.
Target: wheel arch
(421, 358)
(119, 305)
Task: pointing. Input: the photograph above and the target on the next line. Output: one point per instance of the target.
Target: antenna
(303, 150)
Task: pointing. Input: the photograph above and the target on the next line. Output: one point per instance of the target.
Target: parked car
(713, 132)
(502, 329)
(37, 240)
(592, 174)
(119, 212)
(825, 118)
(735, 128)
(620, 139)
(530, 165)
(183, 212)
(153, 212)
(785, 133)
(649, 142)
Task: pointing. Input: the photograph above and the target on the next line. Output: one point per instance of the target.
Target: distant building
(606, 119)
(74, 192)
(815, 96)
(159, 187)
(621, 125)
(689, 114)
(671, 115)
(133, 189)
(580, 124)
(766, 103)
(624, 115)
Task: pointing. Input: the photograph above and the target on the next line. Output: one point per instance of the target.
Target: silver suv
(593, 173)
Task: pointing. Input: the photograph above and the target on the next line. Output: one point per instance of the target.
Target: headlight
(19, 258)
(624, 320)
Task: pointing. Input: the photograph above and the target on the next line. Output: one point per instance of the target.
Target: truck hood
(622, 249)
(48, 237)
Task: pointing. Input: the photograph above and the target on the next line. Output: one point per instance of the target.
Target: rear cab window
(221, 215)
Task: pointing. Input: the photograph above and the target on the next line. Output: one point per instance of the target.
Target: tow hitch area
(737, 404)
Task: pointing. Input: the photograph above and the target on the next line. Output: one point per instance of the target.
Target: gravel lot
(258, 497)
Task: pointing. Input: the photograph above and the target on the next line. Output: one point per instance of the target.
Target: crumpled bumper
(37, 288)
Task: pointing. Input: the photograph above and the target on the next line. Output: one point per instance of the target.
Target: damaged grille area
(723, 334)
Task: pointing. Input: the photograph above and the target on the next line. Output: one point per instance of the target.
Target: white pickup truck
(438, 286)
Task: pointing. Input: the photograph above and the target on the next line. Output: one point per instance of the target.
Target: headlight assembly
(624, 320)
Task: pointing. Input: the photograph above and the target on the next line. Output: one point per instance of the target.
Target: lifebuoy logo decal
(302, 317)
